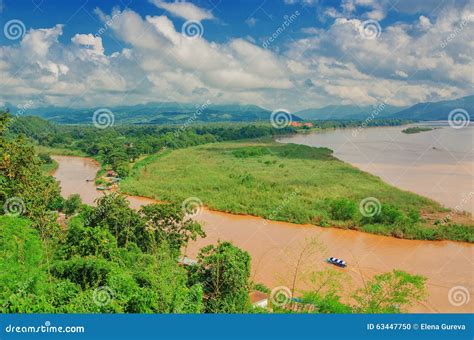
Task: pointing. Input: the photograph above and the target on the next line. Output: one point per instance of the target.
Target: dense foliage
(113, 259)
(118, 145)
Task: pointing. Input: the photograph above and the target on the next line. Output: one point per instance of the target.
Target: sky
(292, 54)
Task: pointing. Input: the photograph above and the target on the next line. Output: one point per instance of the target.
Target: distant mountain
(179, 113)
(437, 110)
(158, 113)
(338, 112)
(422, 111)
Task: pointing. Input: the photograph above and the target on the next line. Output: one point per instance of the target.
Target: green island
(416, 129)
(287, 182)
(62, 256)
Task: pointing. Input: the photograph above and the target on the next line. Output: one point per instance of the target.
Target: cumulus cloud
(185, 10)
(95, 43)
(407, 63)
(427, 59)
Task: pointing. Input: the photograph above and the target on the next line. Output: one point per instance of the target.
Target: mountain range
(178, 113)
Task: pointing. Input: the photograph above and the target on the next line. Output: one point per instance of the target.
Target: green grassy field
(285, 182)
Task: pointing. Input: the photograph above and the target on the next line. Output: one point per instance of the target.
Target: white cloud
(185, 10)
(427, 59)
(88, 40)
(424, 22)
(401, 74)
(405, 56)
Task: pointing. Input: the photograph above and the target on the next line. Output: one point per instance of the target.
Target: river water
(276, 246)
(438, 164)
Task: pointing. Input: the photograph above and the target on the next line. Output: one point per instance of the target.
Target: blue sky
(294, 54)
(233, 19)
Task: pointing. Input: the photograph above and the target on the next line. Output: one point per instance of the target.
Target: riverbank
(291, 183)
(275, 245)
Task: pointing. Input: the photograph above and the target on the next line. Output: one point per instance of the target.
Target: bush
(45, 158)
(87, 272)
(342, 209)
(456, 232)
(388, 215)
(72, 204)
(250, 152)
(329, 303)
(414, 215)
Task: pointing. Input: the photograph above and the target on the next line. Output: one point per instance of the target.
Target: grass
(284, 182)
(49, 169)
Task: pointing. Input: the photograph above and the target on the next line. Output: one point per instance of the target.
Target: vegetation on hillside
(113, 259)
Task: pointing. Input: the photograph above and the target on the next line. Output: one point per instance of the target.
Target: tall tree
(224, 272)
(167, 222)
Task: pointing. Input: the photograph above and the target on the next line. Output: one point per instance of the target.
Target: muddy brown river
(275, 247)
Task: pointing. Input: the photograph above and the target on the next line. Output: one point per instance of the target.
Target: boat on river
(337, 262)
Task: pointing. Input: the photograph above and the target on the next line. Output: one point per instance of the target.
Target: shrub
(388, 215)
(72, 204)
(456, 232)
(250, 152)
(342, 209)
(45, 158)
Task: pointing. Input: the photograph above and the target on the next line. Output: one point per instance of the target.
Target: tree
(86, 241)
(167, 223)
(113, 212)
(23, 279)
(299, 262)
(323, 293)
(390, 292)
(224, 272)
(72, 204)
(22, 180)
